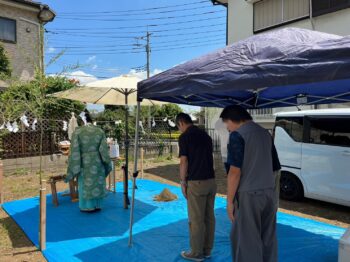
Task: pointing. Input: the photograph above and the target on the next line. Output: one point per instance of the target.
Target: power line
(113, 14)
(140, 19)
(101, 31)
(178, 40)
(84, 35)
(203, 38)
(136, 36)
(94, 53)
(182, 47)
(144, 26)
(143, 9)
(168, 44)
(137, 52)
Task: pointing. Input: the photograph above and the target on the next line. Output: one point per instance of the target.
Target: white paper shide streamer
(171, 123)
(65, 126)
(83, 117)
(24, 120)
(9, 126)
(35, 121)
(15, 128)
(141, 127)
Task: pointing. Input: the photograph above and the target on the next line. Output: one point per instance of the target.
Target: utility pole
(148, 51)
(148, 54)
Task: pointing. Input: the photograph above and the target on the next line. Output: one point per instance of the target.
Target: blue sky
(105, 37)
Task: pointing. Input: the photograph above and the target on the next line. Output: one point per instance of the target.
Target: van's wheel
(290, 187)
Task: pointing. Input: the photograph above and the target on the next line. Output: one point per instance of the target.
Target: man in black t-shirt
(198, 186)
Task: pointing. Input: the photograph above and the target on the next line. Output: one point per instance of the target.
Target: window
(293, 126)
(7, 30)
(330, 131)
(320, 7)
(270, 13)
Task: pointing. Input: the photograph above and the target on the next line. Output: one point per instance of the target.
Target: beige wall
(24, 54)
(240, 21)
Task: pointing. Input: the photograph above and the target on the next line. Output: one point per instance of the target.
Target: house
(21, 34)
(248, 17)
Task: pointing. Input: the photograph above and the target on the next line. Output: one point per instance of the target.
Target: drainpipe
(311, 16)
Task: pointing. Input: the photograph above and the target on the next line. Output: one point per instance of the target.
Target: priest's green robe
(89, 161)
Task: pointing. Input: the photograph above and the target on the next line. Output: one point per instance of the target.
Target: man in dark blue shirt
(251, 197)
(198, 186)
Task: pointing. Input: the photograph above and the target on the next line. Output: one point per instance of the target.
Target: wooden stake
(1, 182)
(142, 151)
(114, 179)
(110, 178)
(42, 233)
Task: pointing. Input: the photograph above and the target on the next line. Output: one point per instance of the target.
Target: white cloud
(143, 74)
(83, 77)
(90, 59)
(51, 50)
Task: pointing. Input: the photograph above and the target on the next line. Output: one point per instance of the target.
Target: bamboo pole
(42, 200)
(42, 233)
(1, 182)
(142, 151)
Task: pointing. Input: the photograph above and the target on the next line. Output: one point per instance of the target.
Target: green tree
(5, 69)
(107, 120)
(166, 110)
(31, 97)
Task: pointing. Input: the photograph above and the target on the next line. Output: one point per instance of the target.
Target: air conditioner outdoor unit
(252, 1)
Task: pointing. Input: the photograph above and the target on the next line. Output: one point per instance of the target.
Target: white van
(314, 150)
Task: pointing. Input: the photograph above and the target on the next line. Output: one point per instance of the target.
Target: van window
(330, 131)
(293, 126)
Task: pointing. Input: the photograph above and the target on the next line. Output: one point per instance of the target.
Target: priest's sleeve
(74, 159)
(104, 152)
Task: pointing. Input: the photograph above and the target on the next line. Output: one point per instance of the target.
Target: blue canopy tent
(288, 67)
(280, 68)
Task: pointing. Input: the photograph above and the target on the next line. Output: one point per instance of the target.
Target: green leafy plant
(157, 111)
(31, 97)
(5, 68)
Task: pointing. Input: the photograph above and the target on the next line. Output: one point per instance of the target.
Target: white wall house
(248, 17)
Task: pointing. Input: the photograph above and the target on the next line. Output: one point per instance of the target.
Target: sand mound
(165, 196)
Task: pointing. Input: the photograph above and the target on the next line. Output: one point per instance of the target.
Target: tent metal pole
(126, 168)
(135, 173)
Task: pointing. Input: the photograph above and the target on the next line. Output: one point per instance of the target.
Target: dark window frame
(329, 10)
(290, 132)
(307, 128)
(276, 25)
(15, 22)
(314, 14)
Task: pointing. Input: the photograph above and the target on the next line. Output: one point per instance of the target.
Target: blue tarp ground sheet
(160, 230)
